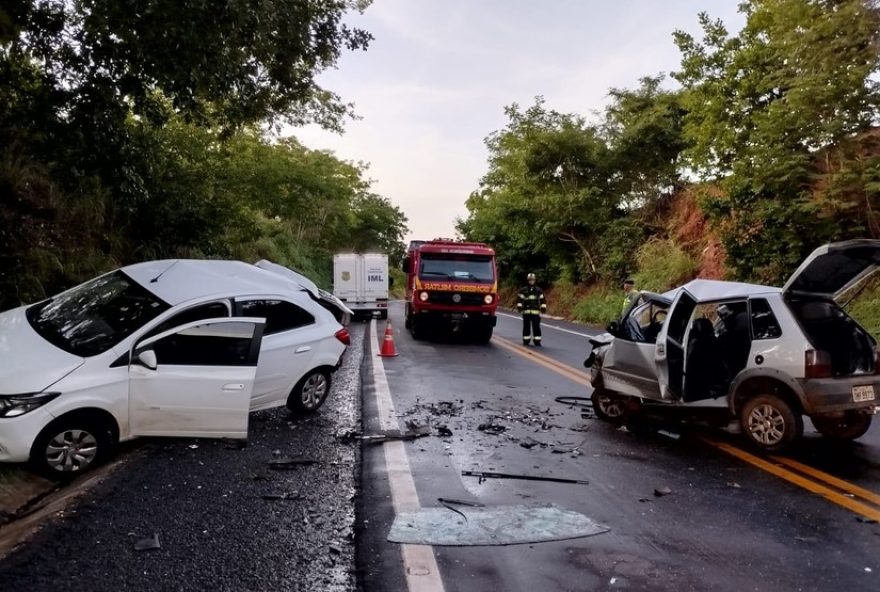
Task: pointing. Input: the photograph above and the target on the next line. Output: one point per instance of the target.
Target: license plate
(863, 393)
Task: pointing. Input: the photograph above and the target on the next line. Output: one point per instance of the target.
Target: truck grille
(467, 299)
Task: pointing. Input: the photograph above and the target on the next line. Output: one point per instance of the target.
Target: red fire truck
(450, 285)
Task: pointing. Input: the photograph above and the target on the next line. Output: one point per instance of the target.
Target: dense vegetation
(766, 149)
(138, 129)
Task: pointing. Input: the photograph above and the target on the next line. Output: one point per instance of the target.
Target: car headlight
(488, 299)
(423, 296)
(15, 405)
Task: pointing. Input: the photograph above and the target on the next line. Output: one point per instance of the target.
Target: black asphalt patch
(224, 519)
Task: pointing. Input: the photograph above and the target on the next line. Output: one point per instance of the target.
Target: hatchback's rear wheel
(608, 407)
(69, 447)
(850, 426)
(310, 392)
(770, 423)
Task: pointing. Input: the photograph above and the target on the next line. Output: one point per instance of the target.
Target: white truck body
(361, 282)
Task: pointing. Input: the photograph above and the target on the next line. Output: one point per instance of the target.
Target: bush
(866, 308)
(663, 265)
(600, 307)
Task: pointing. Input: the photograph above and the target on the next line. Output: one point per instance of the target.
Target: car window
(678, 323)
(764, 323)
(280, 315)
(225, 344)
(92, 318)
(202, 312)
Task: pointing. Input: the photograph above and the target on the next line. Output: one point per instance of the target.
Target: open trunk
(831, 330)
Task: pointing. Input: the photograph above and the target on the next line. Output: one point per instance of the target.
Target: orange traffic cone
(388, 350)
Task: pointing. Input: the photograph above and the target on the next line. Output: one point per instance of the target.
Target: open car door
(669, 352)
(195, 380)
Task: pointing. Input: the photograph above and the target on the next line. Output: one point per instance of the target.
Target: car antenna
(156, 279)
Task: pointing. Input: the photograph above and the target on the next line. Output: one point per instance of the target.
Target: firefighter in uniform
(530, 303)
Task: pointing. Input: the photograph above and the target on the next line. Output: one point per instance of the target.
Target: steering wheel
(659, 316)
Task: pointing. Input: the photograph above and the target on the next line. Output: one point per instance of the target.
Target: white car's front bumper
(17, 434)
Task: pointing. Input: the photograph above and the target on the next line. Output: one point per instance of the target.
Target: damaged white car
(760, 356)
(162, 348)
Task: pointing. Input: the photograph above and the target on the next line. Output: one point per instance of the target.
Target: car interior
(830, 329)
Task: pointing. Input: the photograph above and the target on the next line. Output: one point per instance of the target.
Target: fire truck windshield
(466, 268)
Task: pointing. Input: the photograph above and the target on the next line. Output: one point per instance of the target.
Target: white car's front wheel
(70, 446)
(310, 392)
(608, 407)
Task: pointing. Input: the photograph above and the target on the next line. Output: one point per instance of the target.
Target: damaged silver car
(760, 356)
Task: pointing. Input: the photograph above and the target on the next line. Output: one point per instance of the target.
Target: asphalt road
(729, 522)
(224, 519)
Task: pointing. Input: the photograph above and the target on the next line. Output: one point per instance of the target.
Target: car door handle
(233, 386)
(303, 349)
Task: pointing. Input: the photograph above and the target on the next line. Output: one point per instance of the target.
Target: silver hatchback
(760, 356)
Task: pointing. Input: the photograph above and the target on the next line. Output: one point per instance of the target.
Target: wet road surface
(224, 519)
(724, 525)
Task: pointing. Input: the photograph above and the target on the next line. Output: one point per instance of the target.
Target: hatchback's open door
(195, 380)
(832, 270)
(669, 352)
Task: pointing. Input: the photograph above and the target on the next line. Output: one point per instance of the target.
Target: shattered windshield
(468, 268)
(92, 318)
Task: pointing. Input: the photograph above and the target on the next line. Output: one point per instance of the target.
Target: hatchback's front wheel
(69, 447)
(770, 423)
(608, 407)
(310, 392)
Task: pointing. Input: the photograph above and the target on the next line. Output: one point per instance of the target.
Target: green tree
(764, 106)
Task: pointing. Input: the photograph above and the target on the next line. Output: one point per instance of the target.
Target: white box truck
(361, 282)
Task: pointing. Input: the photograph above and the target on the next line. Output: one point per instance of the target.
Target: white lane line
(420, 565)
(504, 314)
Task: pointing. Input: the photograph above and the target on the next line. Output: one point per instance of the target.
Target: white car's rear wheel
(310, 392)
(769, 422)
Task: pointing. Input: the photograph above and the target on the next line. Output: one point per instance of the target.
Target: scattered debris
(804, 539)
(235, 444)
(528, 443)
(148, 544)
(661, 491)
(645, 500)
(483, 475)
(446, 500)
(334, 550)
(391, 436)
(492, 428)
(193, 446)
(288, 464)
(260, 477)
(292, 496)
(734, 485)
(443, 431)
(672, 435)
(623, 428)
(864, 520)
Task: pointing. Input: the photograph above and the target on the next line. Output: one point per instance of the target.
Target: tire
(611, 408)
(70, 446)
(416, 327)
(483, 334)
(849, 427)
(310, 392)
(769, 423)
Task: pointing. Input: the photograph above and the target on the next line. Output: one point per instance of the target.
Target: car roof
(181, 280)
(709, 290)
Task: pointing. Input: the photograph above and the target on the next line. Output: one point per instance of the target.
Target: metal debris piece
(443, 431)
(487, 475)
(501, 525)
(193, 446)
(288, 464)
(391, 436)
(672, 435)
(734, 485)
(281, 496)
(661, 491)
(645, 500)
(335, 550)
(148, 544)
(492, 428)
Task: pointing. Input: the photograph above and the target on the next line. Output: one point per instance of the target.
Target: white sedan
(162, 348)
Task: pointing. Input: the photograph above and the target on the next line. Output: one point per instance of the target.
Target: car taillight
(818, 364)
(343, 336)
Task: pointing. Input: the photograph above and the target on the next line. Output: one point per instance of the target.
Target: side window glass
(221, 344)
(280, 315)
(202, 312)
(681, 315)
(764, 323)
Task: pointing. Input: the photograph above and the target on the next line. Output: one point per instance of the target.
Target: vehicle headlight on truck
(488, 299)
(423, 296)
(15, 405)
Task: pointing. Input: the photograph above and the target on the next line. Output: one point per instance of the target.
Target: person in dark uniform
(530, 303)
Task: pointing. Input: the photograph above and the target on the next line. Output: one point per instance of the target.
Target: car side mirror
(613, 328)
(147, 359)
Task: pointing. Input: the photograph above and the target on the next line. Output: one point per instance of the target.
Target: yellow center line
(826, 492)
(549, 363)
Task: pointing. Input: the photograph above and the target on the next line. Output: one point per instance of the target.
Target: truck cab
(451, 286)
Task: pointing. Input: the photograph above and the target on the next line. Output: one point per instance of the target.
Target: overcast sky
(435, 80)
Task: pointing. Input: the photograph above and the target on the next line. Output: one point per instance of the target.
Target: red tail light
(818, 364)
(343, 336)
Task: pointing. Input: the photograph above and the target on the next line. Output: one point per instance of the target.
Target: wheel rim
(71, 451)
(766, 425)
(313, 391)
(610, 407)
